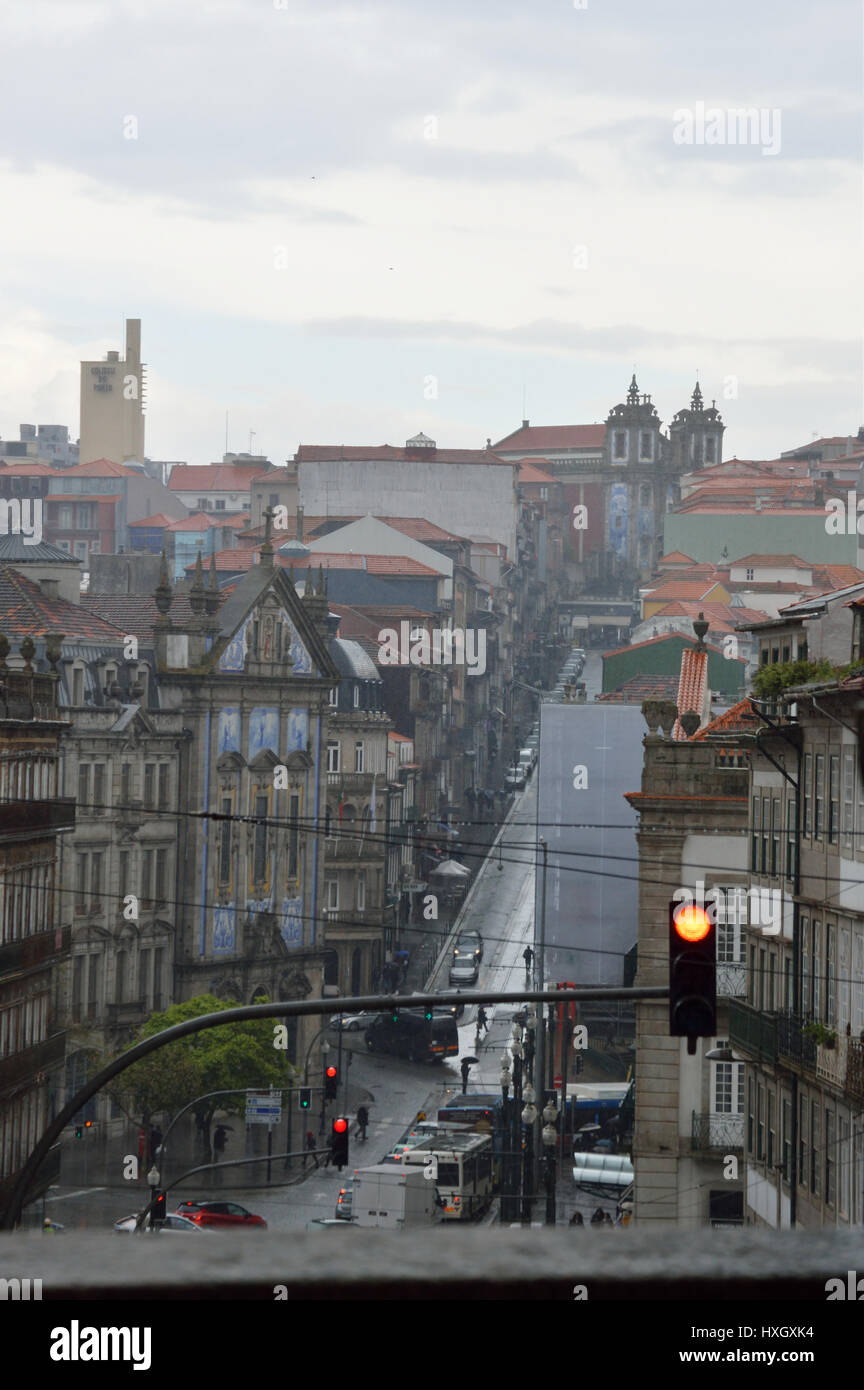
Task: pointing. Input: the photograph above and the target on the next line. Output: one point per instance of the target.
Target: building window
(770, 1126)
(361, 892)
(805, 966)
(259, 867)
(786, 1138)
(754, 856)
(815, 1136)
(803, 1149)
(646, 445)
(760, 1122)
(815, 960)
(149, 782)
(619, 444)
(225, 843)
(164, 772)
(833, 798)
(830, 1018)
(808, 777)
(819, 797)
(123, 869)
(331, 890)
(766, 832)
(158, 970)
(332, 757)
(829, 1156)
(294, 837)
(84, 785)
(99, 789)
(775, 836)
(358, 757)
(333, 697)
(81, 883)
(710, 446)
(66, 520)
(749, 574)
(356, 697)
(848, 826)
(220, 505)
(147, 875)
(791, 842)
(160, 890)
(77, 686)
(750, 1114)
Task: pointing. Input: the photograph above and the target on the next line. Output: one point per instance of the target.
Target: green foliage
(232, 1057)
(770, 681)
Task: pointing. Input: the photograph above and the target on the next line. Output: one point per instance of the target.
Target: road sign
(557, 1082)
(263, 1107)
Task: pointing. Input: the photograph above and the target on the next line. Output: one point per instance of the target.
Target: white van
(527, 759)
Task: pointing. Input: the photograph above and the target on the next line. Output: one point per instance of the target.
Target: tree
(234, 1057)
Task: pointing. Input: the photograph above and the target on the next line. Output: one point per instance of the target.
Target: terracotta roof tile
(554, 437)
(26, 611)
(691, 687)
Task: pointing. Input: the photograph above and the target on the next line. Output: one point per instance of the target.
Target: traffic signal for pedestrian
(692, 973)
(428, 1013)
(395, 1016)
(158, 1207)
(305, 1097)
(79, 1131)
(339, 1142)
(331, 1082)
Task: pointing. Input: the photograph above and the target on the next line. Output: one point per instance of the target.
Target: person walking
(155, 1143)
(482, 1020)
(528, 957)
(362, 1121)
(464, 1067)
(576, 1219)
(219, 1137)
(310, 1148)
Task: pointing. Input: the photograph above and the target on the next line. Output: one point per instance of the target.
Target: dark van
(414, 1036)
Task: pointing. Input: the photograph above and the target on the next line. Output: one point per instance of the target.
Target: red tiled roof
(740, 718)
(135, 614)
(158, 519)
(719, 615)
(676, 557)
(530, 473)
(204, 521)
(99, 468)
(681, 588)
(27, 611)
(771, 562)
(244, 557)
(354, 623)
(836, 576)
(664, 637)
(554, 437)
(58, 498)
(28, 470)
(639, 688)
(210, 477)
(327, 453)
(691, 688)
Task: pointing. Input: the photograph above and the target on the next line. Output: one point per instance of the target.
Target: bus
(462, 1170)
(411, 1035)
(590, 1108)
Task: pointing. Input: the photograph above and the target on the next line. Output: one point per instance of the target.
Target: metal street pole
(540, 961)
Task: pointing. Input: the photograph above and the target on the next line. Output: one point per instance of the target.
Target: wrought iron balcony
(355, 847)
(793, 1042)
(722, 1133)
(27, 1064)
(24, 820)
(43, 948)
(752, 1031)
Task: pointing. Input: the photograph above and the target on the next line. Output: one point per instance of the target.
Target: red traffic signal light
(339, 1141)
(158, 1207)
(331, 1082)
(692, 973)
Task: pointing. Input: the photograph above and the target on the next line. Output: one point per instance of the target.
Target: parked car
(464, 971)
(514, 780)
(126, 1225)
(351, 1023)
(469, 943)
(222, 1215)
(527, 759)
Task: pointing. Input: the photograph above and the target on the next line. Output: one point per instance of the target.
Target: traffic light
(692, 973)
(305, 1097)
(331, 1082)
(395, 1016)
(79, 1131)
(339, 1142)
(158, 1207)
(428, 1013)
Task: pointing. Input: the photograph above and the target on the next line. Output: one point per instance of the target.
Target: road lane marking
(84, 1192)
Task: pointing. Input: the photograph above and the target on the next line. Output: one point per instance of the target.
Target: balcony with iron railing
(355, 848)
(25, 820)
(42, 948)
(752, 1031)
(354, 781)
(30, 1062)
(793, 1042)
(717, 1133)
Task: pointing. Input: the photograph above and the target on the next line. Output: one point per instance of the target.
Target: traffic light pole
(277, 1009)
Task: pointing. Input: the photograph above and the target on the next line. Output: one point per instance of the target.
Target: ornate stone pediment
(293, 984)
(265, 761)
(298, 762)
(229, 762)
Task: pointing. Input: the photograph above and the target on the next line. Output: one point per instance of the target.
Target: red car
(220, 1214)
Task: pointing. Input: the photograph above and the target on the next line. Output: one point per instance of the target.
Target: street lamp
(550, 1137)
(529, 1119)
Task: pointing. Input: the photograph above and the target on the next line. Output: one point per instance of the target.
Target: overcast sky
(333, 212)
